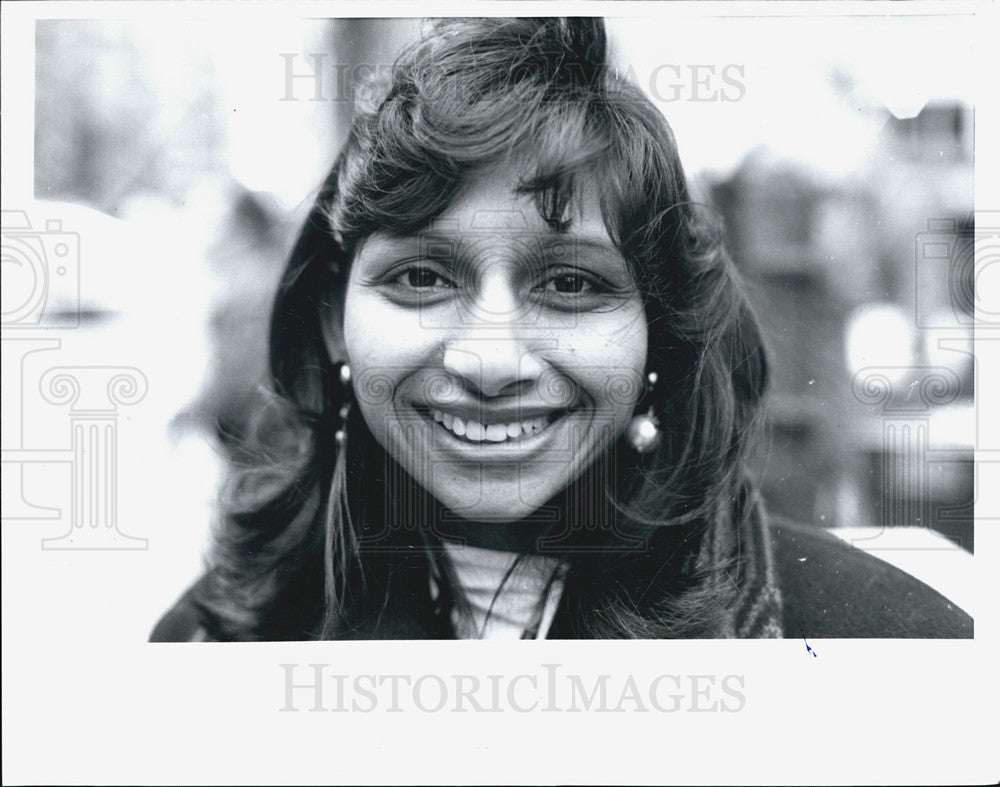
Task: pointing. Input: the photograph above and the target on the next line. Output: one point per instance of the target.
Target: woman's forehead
(493, 201)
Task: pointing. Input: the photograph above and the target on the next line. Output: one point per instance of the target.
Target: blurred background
(838, 150)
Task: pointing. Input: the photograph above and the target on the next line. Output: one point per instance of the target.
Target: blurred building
(863, 283)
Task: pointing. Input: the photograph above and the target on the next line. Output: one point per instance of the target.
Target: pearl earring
(345, 380)
(338, 514)
(643, 431)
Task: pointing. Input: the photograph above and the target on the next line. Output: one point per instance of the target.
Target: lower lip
(511, 449)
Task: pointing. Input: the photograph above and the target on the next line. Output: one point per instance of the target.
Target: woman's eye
(571, 284)
(423, 278)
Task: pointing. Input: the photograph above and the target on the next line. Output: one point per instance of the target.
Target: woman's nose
(490, 352)
(492, 366)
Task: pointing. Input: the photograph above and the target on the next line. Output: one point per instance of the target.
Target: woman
(516, 382)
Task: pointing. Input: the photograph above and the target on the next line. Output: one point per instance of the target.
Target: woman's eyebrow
(449, 245)
(432, 244)
(580, 242)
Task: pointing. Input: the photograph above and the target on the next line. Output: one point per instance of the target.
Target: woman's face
(493, 357)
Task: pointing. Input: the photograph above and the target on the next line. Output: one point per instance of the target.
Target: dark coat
(829, 589)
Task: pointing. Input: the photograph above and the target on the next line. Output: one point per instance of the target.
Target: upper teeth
(497, 433)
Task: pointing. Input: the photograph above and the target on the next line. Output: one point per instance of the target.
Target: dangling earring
(345, 410)
(643, 431)
(340, 543)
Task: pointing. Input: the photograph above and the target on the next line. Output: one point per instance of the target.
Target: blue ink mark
(808, 649)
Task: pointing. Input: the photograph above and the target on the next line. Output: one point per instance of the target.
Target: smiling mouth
(475, 432)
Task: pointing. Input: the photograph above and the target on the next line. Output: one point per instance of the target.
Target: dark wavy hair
(292, 559)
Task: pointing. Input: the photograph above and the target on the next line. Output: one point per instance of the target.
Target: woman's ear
(331, 324)
(335, 285)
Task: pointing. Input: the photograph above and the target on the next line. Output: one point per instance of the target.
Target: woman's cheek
(385, 343)
(609, 349)
(382, 336)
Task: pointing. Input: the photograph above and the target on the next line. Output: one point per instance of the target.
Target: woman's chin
(501, 507)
